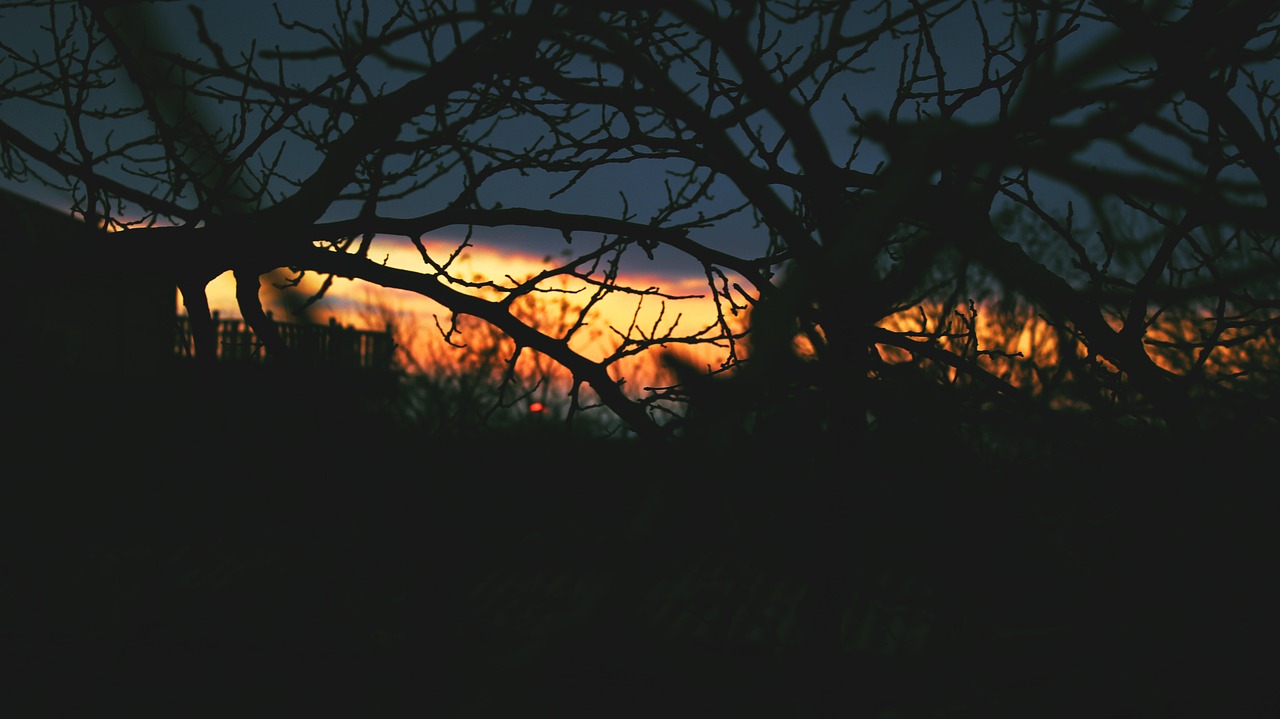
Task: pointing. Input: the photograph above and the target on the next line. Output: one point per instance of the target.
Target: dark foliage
(993, 292)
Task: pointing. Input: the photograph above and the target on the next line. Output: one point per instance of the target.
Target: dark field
(273, 568)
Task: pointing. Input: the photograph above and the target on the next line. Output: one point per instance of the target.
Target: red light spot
(536, 407)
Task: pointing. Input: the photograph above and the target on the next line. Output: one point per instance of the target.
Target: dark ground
(253, 566)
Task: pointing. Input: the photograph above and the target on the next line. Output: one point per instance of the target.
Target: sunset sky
(366, 306)
(497, 251)
(240, 24)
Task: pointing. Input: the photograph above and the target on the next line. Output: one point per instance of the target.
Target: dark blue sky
(240, 24)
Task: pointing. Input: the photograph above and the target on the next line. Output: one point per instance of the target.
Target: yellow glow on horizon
(1021, 345)
(366, 306)
(1013, 341)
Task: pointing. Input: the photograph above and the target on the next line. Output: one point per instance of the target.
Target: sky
(239, 23)
(498, 251)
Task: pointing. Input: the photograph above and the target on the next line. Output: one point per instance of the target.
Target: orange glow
(1015, 343)
(418, 321)
(536, 407)
(1006, 338)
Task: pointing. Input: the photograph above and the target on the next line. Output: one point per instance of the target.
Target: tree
(915, 218)
(471, 378)
(875, 184)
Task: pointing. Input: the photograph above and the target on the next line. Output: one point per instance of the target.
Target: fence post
(333, 344)
(217, 335)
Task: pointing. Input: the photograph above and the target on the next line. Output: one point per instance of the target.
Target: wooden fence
(330, 345)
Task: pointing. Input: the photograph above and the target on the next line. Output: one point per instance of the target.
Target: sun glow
(1014, 342)
(1007, 339)
(421, 324)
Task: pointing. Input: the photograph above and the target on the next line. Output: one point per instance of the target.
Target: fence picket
(330, 344)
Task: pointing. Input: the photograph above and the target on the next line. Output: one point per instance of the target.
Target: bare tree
(873, 184)
(924, 226)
